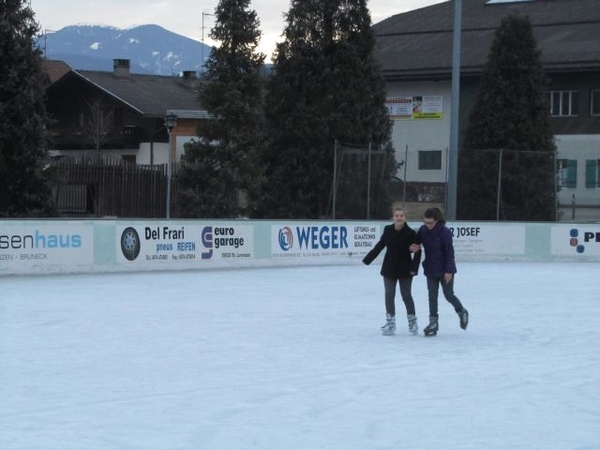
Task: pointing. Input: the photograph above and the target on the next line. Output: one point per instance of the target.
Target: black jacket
(398, 262)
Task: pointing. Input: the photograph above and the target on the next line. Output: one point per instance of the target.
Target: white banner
(25, 246)
(575, 240)
(322, 239)
(183, 244)
(483, 239)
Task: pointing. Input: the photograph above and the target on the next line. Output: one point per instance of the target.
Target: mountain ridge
(150, 48)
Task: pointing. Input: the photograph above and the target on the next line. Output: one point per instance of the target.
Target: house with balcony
(119, 114)
(415, 52)
(115, 138)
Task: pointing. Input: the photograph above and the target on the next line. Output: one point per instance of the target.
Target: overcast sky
(185, 16)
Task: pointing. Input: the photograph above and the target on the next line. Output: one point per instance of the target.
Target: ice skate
(432, 328)
(413, 327)
(390, 325)
(464, 318)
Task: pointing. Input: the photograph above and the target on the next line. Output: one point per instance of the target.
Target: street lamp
(170, 123)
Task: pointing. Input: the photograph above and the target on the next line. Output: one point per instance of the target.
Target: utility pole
(202, 38)
(46, 42)
(452, 184)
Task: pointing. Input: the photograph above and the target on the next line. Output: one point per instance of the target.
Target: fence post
(369, 186)
(499, 191)
(404, 183)
(335, 144)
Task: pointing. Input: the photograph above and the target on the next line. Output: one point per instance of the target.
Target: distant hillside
(150, 48)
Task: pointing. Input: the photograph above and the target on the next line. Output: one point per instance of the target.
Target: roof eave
(445, 73)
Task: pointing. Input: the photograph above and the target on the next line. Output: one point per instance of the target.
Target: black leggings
(433, 286)
(405, 291)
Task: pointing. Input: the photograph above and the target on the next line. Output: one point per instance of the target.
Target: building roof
(55, 70)
(418, 44)
(149, 95)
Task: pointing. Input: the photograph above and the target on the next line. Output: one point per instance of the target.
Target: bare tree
(99, 123)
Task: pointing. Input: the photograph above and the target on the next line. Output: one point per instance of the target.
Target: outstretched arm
(374, 253)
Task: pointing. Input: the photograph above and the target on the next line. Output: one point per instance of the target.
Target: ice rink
(293, 359)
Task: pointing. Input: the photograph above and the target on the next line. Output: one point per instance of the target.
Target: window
(592, 173)
(595, 110)
(563, 103)
(566, 172)
(430, 160)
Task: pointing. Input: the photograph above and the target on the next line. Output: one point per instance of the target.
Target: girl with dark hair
(439, 267)
(399, 266)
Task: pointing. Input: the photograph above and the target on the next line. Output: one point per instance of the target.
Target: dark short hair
(434, 213)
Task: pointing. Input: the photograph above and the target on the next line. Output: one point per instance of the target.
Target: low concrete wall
(579, 214)
(85, 246)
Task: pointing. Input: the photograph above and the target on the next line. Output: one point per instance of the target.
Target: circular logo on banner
(130, 243)
(286, 238)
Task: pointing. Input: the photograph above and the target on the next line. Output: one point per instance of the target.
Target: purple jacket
(439, 250)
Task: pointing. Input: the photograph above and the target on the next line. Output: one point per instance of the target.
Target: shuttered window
(592, 175)
(567, 173)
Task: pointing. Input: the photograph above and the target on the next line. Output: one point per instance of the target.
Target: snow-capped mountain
(150, 48)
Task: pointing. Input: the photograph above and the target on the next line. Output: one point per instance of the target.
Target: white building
(415, 53)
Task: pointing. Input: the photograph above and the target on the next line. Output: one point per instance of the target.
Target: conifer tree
(326, 86)
(510, 120)
(24, 188)
(220, 174)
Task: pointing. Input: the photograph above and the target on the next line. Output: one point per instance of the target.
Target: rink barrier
(111, 245)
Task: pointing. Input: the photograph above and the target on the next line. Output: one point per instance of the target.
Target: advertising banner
(318, 240)
(427, 107)
(419, 107)
(575, 240)
(483, 239)
(57, 246)
(25, 246)
(184, 244)
(399, 108)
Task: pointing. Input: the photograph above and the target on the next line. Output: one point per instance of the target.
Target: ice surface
(292, 358)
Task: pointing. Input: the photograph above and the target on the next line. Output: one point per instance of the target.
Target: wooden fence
(109, 187)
